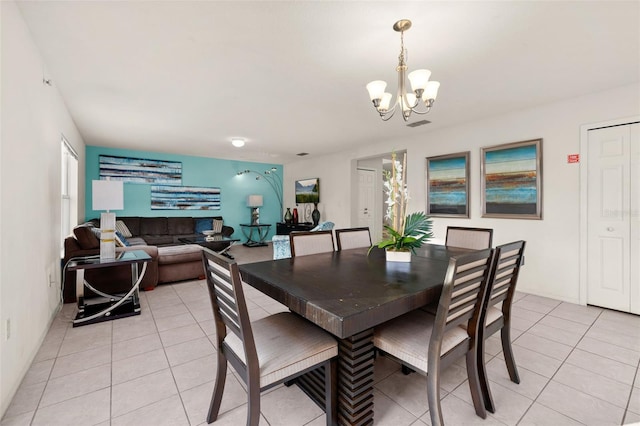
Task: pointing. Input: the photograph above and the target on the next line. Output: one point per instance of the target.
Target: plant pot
(398, 256)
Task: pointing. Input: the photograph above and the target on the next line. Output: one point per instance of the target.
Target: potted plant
(405, 233)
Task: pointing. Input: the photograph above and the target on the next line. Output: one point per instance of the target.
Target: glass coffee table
(218, 243)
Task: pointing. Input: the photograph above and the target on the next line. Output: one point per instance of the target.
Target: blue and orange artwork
(511, 177)
(447, 186)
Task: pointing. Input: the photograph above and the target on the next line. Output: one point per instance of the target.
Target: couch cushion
(158, 240)
(86, 238)
(137, 241)
(133, 223)
(180, 225)
(153, 226)
(179, 254)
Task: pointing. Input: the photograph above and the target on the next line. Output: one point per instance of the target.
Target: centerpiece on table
(404, 232)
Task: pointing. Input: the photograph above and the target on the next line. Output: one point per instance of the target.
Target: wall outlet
(7, 329)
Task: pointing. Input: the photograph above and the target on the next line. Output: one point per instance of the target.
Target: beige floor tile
(169, 311)
(196, 400)
(384, 367)
(140, 392)
(534, 306)
(410, 392)
(564, 324)
(195, 373)
(542, 300)
(581, 314)
(455, 411)
(90, 409)
(169, 323)
(38, 372)
(136, 346)
(276, 407)
(577, 405)
(25, 400)
(188, 351)
(79, 361)
(530, 386)
(623, 340)
(76, 384)
(542, 345)
(202, 314)
(389, 413)
(615, 370)
(510, 406)
(86, 337)
(631, 419)
(138, 366)
(142, 325)
(539, 415)
(166, 412)
(19, 420)
(534, 361)
(634, 401)
(452, 376)
(610, 351)
(208, 327)
(556, 334)
(181, 334)
(593, 384)
(235, 417)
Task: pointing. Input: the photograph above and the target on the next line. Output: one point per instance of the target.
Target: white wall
(32, 118)
(552, 253)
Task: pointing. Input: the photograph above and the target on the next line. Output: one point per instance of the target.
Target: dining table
(348, 293)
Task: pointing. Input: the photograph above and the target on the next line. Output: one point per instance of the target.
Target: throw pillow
(123, 229)
(217, 226)
(204, 224)
(86, 238)
(121, 241)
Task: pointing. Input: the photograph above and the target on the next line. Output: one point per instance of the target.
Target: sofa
(158, 236)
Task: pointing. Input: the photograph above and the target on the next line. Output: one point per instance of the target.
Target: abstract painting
(164, 197)
(448, 185)
(512, 180)
(140, 170)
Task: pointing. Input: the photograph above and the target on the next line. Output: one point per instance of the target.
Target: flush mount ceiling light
(423, 89)
(237, 142)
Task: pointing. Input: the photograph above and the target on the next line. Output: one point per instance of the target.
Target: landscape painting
(512, 180)
(140, 170)
(308, 191)
(165, 197)
(448, 185)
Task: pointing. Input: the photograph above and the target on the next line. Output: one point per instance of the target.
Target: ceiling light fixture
(423, 89)
(237, 142)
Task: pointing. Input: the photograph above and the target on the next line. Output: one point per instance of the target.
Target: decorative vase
(315, 214)
(398, 256)
(295, 216)
(288, 217)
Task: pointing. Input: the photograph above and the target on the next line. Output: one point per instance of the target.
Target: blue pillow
(203, 224)
(124, 241)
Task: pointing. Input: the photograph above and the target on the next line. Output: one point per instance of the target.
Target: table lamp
(107, 195)
(254, 201)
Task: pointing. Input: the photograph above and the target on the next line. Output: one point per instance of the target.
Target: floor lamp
(107, 195)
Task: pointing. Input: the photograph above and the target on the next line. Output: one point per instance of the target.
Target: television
(308, 191)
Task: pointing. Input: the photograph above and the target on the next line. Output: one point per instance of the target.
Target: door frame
(584, 193)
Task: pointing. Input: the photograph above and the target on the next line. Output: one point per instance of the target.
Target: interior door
(612, 227)
(366, 198)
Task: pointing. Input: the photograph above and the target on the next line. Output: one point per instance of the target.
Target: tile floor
(578, 365)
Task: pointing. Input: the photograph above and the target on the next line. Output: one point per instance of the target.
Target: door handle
(610, 228)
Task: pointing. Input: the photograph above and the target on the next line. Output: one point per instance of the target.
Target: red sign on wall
(573, 158)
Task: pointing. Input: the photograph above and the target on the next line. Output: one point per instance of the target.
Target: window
(68, 191)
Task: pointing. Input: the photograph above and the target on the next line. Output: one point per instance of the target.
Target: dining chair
(266, 352)
(427, 343)
(503, 279)
(471, 238)
(304, 243)
(350, 238)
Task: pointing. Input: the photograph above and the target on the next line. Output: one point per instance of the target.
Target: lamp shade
(107, 195)
(254, 201)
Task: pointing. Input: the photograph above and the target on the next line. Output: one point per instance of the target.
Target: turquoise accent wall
(196, 171)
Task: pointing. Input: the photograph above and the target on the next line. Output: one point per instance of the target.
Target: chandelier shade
(423, 91)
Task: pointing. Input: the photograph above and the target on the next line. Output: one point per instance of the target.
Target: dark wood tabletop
(349, 291)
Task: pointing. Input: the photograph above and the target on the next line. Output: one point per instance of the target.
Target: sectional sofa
(158, 236)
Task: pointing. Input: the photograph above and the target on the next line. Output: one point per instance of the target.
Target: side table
(115, 305)
(260, 232)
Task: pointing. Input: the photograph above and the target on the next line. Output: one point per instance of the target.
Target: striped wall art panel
(140, 170)
(164, 197)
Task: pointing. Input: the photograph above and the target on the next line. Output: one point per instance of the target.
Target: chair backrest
(463, 296)
(353, 238)
(471, 238)
(311, 242)
(506, 268)
(228, 303)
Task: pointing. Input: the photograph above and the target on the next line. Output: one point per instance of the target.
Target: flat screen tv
(308, 191)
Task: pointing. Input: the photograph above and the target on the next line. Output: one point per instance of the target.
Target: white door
(613, 258)
(366, 198)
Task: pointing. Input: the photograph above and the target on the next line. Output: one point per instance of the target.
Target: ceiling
(289, 77)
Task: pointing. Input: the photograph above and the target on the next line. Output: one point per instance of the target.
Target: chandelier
(423, 89)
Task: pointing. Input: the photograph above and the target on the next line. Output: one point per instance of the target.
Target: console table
(255, 234)
(287, 228)
(112, 306)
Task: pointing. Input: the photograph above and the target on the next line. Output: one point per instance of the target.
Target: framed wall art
(164, 197)
(448, 185)
(308, 191)
(512, 180)
(140, 170)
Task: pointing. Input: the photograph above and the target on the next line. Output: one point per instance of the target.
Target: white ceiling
(185, 77)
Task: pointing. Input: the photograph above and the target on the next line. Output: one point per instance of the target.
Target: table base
(126, 309)
(355, 380)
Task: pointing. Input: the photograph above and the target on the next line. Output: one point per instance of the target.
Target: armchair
(282, 247)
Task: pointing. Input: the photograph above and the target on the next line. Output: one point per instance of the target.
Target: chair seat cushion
(407, 338)
(493, 315)
(286, 344)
